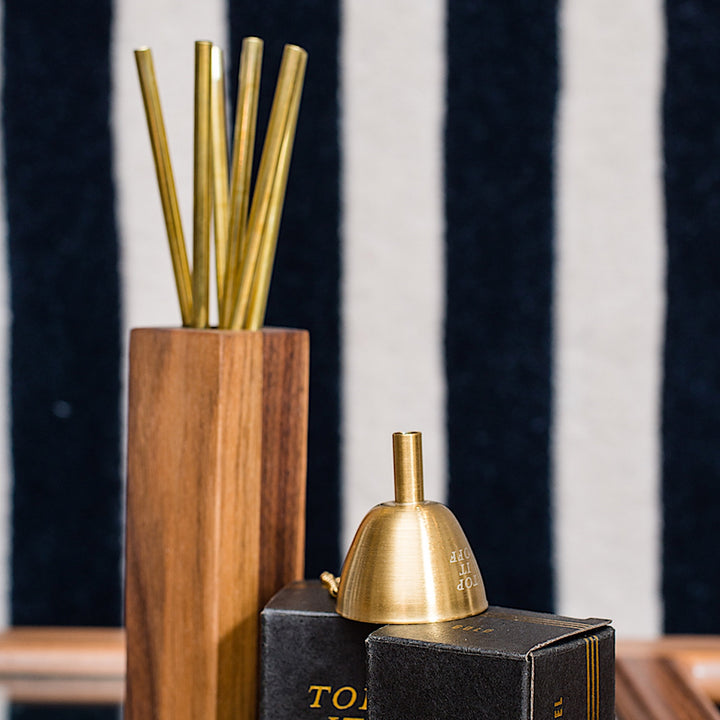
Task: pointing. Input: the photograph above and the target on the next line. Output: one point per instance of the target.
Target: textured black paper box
(312, 661)
(501, 665)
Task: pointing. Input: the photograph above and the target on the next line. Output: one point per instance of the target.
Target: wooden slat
(672, 678)
(657, 688)
(63, 652)
(698, 655)
(669, 645)
(63, 691)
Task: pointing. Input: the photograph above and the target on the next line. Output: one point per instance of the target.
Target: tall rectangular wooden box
(217, 435)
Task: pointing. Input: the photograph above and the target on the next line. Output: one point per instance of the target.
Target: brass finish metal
(291, 67)
(166, 181)
(407, 462)
(218, 134)
(242, 160)
(263, 272)
(201, 194)
(245, 242)
(330, 582)
(410, 561)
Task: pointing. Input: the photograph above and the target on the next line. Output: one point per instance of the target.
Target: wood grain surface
(63, 652)
(699, 655)
(217, 429)
(59, 666)
(669, 678)
(63, 691)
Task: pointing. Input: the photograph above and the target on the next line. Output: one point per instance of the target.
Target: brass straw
(408, 467)
(242, 160)
(218, 134)
(263, 272)
(166, 181)
(293, 60)
(201, 187)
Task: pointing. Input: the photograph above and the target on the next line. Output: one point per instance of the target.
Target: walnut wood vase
(217, 437)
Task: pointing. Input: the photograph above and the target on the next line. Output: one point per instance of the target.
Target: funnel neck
(408, 465)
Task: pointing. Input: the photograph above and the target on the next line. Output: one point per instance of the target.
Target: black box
(312, 661)
(500, 665)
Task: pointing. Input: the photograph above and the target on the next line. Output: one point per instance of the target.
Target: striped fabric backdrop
(502, 228)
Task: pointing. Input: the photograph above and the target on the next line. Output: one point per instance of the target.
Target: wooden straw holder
(217, 434)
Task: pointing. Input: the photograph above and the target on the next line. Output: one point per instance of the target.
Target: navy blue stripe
(65, 304)
(691, 388)
(305, 289)
(501, 101)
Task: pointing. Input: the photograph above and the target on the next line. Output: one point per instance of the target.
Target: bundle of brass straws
(245, 231)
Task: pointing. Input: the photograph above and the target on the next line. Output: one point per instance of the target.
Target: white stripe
(393, 78)
(170, 29)
(6, 471)
(609, 313)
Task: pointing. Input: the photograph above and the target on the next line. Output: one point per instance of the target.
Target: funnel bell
(410, 561)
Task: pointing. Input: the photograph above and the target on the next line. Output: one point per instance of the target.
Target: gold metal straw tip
(216, 62)
(296, 49)
(408, 467)
(142, 49)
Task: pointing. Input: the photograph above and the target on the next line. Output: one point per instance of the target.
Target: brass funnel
(410, 561)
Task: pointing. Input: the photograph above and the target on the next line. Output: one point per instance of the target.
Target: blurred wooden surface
(66, 652)
(63, 665)
(674, 678)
